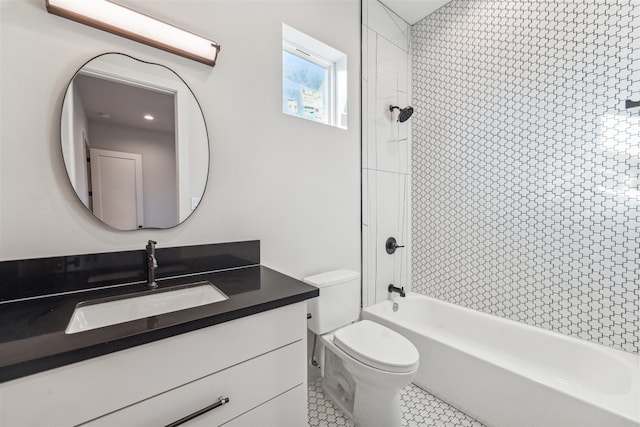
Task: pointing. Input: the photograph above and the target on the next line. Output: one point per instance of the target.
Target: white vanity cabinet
(257, 362)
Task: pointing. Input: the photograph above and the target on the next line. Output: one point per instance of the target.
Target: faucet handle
(151, 254)
(391, 245)
(153, 261)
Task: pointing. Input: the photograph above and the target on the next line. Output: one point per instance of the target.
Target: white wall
(385, 144)
(291, 183)
(74, 127)
(192, 177)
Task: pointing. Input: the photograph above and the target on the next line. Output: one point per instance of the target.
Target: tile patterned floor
(419, 409)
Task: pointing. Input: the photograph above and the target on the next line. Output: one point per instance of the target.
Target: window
(313, 79)
(305, 85)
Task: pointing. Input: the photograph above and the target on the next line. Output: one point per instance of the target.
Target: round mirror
(134, 143)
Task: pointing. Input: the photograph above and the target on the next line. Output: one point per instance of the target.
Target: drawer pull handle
(221, 401)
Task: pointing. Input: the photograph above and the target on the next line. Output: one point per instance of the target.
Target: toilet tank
(338, 303)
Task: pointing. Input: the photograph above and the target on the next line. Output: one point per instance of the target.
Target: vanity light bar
(108, 16)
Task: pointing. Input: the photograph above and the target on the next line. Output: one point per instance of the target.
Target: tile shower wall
(526, 190)
(385, 149)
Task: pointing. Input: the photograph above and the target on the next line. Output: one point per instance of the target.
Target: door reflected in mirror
(134, 143)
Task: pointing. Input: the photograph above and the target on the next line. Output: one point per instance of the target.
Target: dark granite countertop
(33, 338)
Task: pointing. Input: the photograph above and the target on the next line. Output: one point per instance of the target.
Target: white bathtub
(508, 374)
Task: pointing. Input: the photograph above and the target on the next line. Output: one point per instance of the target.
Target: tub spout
(397, 290)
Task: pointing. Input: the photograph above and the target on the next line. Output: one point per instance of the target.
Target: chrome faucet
(399, 291)
(152, 264)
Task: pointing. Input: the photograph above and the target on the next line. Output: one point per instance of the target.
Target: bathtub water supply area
(506, 373)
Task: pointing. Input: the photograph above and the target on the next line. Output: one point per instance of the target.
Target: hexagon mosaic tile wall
(526, 164)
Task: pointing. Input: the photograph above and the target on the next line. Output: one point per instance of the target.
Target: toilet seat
(377, 346)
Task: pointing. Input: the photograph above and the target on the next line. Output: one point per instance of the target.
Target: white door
(116, 180)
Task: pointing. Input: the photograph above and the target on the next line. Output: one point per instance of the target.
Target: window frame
(333, 61)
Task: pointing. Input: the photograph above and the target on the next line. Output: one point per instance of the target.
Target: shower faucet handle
(391, 245)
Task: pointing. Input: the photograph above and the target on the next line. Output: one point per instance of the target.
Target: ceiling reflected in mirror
(102, 99)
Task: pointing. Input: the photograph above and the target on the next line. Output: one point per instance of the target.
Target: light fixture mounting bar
(123, 21)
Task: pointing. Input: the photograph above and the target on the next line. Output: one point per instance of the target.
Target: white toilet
(365, 364)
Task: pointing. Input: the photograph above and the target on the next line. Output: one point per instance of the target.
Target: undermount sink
(110, 311)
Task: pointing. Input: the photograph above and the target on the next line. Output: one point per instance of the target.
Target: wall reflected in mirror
(134, 143)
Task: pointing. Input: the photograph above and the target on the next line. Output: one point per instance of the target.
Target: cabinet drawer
(247, 385)
(287, 410)
(84, 391)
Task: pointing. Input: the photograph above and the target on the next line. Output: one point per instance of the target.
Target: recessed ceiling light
(104, 115)
(148, 116)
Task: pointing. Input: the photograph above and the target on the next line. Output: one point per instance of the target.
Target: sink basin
(110, 311)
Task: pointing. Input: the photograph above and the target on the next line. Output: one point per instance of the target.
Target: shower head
(405, 113)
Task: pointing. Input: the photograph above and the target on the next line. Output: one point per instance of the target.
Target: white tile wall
(386, 23)
(392, 215)
(387, 67)
(368, 232)
(525, 163)
(369, 97)
(385, 150)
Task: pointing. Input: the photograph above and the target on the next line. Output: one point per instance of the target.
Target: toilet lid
(377, 346)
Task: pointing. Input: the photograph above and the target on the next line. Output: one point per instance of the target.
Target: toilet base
(369, 409)
(368, 396)
(373, 408)
(338, 397)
